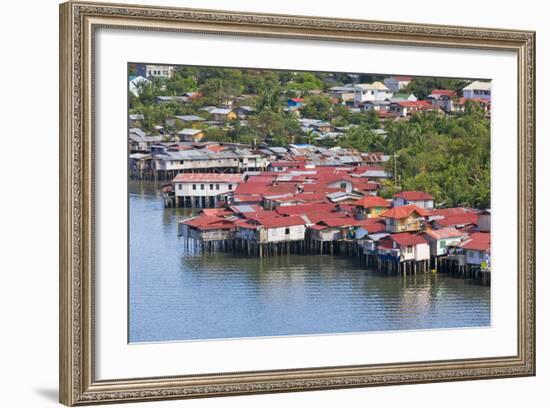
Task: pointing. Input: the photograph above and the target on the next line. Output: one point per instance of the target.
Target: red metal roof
(339, 222)
(205, 222)
(443, 92)
(295, 164)
(447, 232)
(372, 201)
(404, 211)
(448, 211)
(262, 179)
(311, 198)
(260, 214)
(413, 195)
(305, 209)
(478, 241)
(251, 188)
(406, 239)
(373, 227)
(216, 212)
(281, 222)
(362, 169)
(315, 217)
(207, 178)
(458, 219)
(280, 189)
(251, 198)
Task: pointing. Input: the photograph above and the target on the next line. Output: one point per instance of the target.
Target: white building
(418, 198)
(203, 189)
(159, 71)
(477, 90)
(376, 91)
(396, 83)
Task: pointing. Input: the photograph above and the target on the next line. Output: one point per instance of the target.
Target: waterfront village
(318, 193)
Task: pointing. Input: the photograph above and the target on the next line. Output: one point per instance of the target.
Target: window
(180, 186)
(181, 161)
(287, 231)
(202, 186)
(409, 249)
(230, 187)
(211, 186)
(442, 244)
(343, 185)
(217, 186)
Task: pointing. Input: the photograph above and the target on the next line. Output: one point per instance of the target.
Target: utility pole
(395, 169)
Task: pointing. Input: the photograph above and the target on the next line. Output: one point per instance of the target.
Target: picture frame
(79, 22)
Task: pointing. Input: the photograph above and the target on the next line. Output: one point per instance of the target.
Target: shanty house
(478, 249)
(183, 120)
(223, 114)
(191, 135)
(370, 206)
(404, 218)
(456, 220)
(418, 198)
(207, 228)
(333, 229)
(135, 120)
(440, 239)
(280, 229)
(405, 246)
(203, 189)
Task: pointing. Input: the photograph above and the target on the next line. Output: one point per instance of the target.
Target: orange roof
(404, 211)
(372, 201)
(216, 148)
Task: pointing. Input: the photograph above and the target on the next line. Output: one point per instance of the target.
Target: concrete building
(477, 90)
(376, 91)
(396, 83)
(203, 190)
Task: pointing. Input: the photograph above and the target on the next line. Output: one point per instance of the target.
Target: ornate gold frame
(77, 24)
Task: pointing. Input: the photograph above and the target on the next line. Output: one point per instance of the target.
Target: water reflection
(177, 295)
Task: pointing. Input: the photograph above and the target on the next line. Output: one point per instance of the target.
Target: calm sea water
(178, 295)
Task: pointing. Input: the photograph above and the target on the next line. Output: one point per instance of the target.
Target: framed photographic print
(256, 203)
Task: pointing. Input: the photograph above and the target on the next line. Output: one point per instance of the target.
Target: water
(177, 295)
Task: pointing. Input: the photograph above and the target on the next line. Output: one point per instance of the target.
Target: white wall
(296, 233)
(29, 289)
(186, 189)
